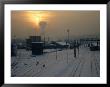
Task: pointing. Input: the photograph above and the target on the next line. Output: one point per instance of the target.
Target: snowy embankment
(57, 64)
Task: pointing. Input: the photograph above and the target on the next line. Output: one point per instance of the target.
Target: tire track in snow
(76, 68)
(96, 67)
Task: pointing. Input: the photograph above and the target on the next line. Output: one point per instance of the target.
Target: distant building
(37, 48)
(35, 44)
(30, 40)
(28, 44)
(13, 49)
(35, 38)
(60, 44)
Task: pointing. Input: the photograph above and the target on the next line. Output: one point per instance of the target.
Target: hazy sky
(80, 23)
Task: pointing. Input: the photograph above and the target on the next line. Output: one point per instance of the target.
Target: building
(35, 44)
(35, 38)
(30, 40)
(37, 48)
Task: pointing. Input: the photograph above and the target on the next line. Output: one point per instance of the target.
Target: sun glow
(37, 16)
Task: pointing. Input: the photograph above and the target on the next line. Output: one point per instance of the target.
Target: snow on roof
(62, 43)
(37, 42)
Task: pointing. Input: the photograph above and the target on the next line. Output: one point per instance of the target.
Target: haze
(80, 23)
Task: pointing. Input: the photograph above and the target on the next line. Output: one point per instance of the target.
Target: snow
(37, 42)
(86, 64)
(62, 43)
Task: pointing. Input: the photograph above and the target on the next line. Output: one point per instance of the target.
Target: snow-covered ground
(56, 64)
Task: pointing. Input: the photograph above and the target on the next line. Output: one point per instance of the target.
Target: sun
(38, 19)
(35, 17)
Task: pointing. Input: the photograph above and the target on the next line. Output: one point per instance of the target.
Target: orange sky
(80, 23)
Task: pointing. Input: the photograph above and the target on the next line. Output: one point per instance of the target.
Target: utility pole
(67, 42)
(68, 34)
(56, 52)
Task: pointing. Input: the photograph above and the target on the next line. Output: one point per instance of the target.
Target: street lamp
(68, 34)
(68, 42)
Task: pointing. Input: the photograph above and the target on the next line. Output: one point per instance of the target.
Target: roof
(37, 42)
(62, 43)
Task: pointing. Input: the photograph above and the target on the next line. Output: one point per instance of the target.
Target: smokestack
(42, 25)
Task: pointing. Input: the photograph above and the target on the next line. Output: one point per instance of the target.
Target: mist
(80, 23)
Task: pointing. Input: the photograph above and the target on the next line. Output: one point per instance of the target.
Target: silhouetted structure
(37, 48)
(13, 49)
(35, 38)
(30, 40)
(75, 48)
